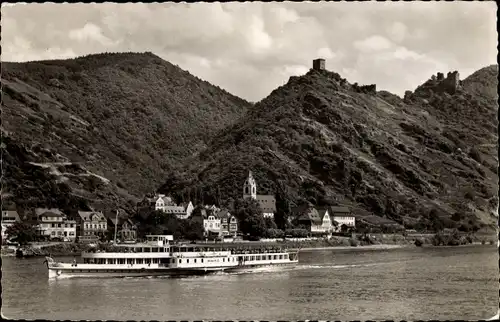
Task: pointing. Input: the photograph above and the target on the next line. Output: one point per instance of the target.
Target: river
(354, 284)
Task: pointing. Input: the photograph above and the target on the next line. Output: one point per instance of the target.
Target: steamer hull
(82, 272)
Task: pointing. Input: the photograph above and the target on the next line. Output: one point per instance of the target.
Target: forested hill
(323, 140)
(125, 117)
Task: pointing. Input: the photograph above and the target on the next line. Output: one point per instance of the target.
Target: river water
(354, 284)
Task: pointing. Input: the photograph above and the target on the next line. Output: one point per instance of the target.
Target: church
(266, 202)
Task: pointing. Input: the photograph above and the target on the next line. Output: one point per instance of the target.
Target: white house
(165, 203)
(317, 221)
(188, 209)
(54, 223)
(267, 202)
(219, 222)
(9, 217)
(343, 216)
(212, 223)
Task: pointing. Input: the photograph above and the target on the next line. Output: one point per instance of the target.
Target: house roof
(185, 204)
(166, 199)
(298, 210)
(322, 212)
(265, 196)
(179, 208)
(48, 212)
(11, 213)
(339, 209)
(202, 213)
(212, 207)
(272, 205)
(89, 215)
(313, 215)
(223, 214)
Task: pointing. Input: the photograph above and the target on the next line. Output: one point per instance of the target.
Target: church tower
(250, 187)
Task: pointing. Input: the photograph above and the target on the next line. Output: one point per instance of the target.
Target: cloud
(89, 32)
(397, 32)
(258, 39)
(326, 53)
(373, 43)
(251, 48)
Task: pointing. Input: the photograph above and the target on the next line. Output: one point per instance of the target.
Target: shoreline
(377, 247)
(384, 242)
(319, 248)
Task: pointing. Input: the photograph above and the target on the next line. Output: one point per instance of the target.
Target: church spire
(250, 187)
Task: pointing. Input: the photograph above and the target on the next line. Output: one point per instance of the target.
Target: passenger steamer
(158, 257)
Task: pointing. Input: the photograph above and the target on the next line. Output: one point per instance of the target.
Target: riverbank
(63, 249)
(376, 242)
(387, 241)
(376, 247)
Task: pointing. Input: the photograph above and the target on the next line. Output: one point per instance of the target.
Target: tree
(362, 227)
(154, 224)
(270, 224)
(159, 223)
(282, 206)
(335, 225)
(250, 217)
(436, 222)
(191, 229)
(21, 232)
(355, 182)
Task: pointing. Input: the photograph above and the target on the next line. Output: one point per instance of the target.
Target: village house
(343, 216)
(126, 229)
(217, 223)
(188, 210)
(212, 208)
(9, 217)
(316, 221)
(267, 202)
(161, 202)
(91, 223)
(229, 223)
(53, 223)
(212, 223)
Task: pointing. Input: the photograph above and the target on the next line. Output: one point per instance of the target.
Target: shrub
(353, 242)
(274, 233)
(418, 243)
(297, 233)
(366, 239)
(438, 239)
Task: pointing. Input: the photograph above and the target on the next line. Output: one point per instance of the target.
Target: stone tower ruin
(319, 64)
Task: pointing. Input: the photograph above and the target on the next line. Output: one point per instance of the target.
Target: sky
(249, 49)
